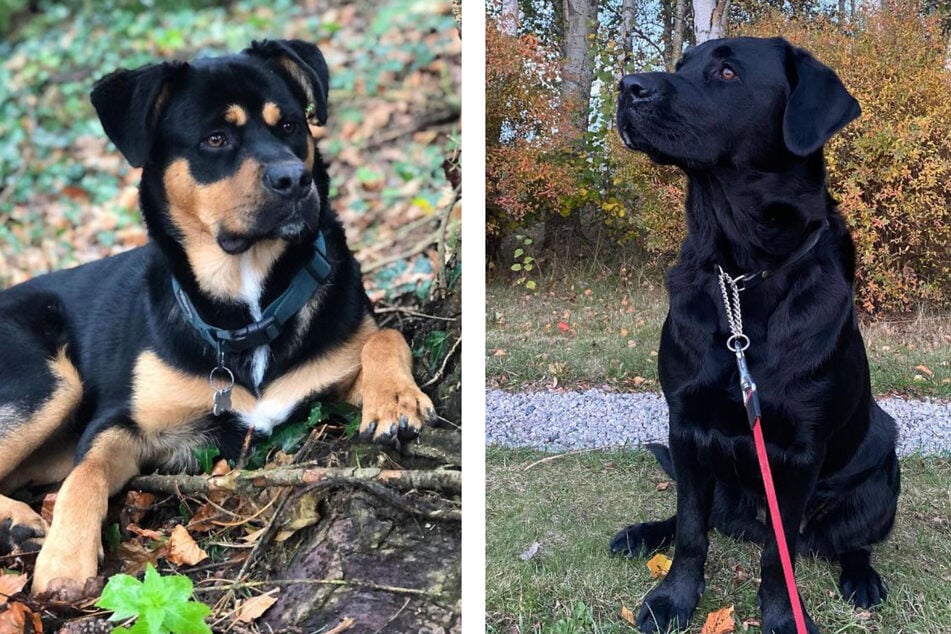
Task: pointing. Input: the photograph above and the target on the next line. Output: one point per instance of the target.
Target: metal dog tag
(221, 380)
(222, 402)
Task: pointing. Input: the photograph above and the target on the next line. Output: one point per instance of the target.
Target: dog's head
(739, 101)
(224, 141)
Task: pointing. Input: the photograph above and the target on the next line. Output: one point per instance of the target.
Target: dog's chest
(252, 286)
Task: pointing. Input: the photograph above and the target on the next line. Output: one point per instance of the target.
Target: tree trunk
(677, 35)
(626, 35)
(947, 57)
(709, 19)
(581, 23)
(508, 18)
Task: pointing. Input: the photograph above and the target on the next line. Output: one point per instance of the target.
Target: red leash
(737, 343)
(778, 531)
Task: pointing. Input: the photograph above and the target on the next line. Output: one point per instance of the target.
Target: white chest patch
(267, 414)
(252, 280)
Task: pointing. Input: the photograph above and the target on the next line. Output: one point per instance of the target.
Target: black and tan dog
(245, 304)
(746, 119)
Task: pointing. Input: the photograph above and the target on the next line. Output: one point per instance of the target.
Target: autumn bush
(530, 170)
(890, 169)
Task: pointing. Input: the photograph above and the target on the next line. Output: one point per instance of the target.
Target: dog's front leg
(70, 554)
(393, 406)
(669, 605)
(793, 489)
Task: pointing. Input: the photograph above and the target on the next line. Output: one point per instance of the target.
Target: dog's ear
(304, 65)
(128, 103)
(818, 106)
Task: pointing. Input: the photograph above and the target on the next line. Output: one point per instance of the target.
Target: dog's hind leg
(639, 540)
(40, 390)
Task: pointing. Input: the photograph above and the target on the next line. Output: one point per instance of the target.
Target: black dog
(245, 305)
(746, 120)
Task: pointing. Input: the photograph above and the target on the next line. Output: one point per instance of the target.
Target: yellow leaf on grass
(659, 565)
(183, 549)
(719, 622)
(627, 615)
(253, 608)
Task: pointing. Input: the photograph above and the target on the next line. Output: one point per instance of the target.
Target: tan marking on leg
(21, 514)
(386, 387)
(271, 114)
(49, 464)
(22, 439)
(70, 553)
(165, 398)
(236, 115)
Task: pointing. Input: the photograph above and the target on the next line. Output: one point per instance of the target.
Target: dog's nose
(290, 179)
(637, 88)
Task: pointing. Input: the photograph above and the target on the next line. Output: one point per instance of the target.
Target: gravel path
(561, 421)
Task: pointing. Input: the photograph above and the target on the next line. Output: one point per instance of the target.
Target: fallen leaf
(637, 381)
(719, 622)
(302, 514)
(251, 609)
(345, 624)
(10, 585)
(14, 619)
(662, 486)
(564, 327)
(147, 533)
(924, 370)
(627, 615)
(46, 510)
(183, 549)
(624, 332)
(138, 503)
(531, 552)
(659, 565)
(221, 468)
(499, 352)
(134, 555)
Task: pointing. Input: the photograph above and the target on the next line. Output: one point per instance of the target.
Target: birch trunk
(709, 19)
(581, 22)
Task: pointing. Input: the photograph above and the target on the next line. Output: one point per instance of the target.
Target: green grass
(573, 505)
(610, 330)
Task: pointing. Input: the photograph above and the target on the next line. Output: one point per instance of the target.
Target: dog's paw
(394, 411)
(640, 540)
(66, 567)
(862, 587)
(22, 529)
(668, 607)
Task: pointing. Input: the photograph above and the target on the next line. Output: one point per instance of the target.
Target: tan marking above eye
(271, 113)
(236, 115)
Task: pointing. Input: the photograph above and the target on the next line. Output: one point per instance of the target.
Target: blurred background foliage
(67, 196)
(891, 169)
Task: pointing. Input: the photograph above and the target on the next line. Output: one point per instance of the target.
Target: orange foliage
(529, 168)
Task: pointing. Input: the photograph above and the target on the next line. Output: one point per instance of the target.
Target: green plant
(524, 263)
(159, 604)
(581, 621)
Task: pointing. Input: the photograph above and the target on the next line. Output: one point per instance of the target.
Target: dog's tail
(662, 453)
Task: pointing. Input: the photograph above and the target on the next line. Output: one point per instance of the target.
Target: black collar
(749, 280)
(262, 332)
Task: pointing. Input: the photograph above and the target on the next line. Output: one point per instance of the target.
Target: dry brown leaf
(10, 585)
(138, 503)
(46, 510)
(659, 565)
(14, 619)
(204, 519)
(627, 615)
(253, 608)
(302, 514)
(345, 624)
(221, 468)
(134, 555)
(183, 549)
(147, 533)
(719, 622)
(925, 370)
(662, 486)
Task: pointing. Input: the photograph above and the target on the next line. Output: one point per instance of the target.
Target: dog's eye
(727, 73)
(287, 127)
(216, 140)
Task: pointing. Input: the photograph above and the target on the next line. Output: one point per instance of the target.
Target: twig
(393, 618)
(416, 249)
(441, 248)
(345, 624)
(297, 476)
(562, 455)
(243, 585)
(438, 376)
(413, 313)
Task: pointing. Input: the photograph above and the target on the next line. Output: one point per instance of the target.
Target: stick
(442, 368)
(298, 476)
(324, 582)
(562, 455)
